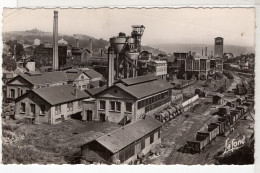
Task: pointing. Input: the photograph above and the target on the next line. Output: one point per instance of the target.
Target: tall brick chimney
(55, 60)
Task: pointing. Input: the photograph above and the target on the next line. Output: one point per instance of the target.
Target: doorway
(32, 109)
(89, 115)
(102, 117)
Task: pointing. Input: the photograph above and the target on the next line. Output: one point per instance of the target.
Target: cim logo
(233, 144)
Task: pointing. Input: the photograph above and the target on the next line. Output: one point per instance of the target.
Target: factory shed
(218, 99)
(126, 144)
(129, 99)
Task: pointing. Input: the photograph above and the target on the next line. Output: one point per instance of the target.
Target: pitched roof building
(50, 105)
(126, 144)
(129, 99)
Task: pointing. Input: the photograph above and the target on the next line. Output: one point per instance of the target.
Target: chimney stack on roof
(206, 51)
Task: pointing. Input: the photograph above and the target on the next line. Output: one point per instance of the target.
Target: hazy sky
(185, 25)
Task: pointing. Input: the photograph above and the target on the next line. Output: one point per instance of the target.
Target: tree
(16, 48)
(8, 63)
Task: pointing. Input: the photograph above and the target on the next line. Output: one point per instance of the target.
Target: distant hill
(170, 48)
(154, 51)
(46, 37)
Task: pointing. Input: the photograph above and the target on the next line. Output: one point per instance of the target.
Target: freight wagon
(223, 110)
(198, 143)
(222, 127)
(163, 116)
(213, 129)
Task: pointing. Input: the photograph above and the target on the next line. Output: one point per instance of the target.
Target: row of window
(69, 107)
(115, 106)
(153, 99)
(32, 108)
(157, 104)
(20, 92)
(161, 69)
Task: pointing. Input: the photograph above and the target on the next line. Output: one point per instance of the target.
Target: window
(57, 109)
(42, 109)
(21, 92)
(32, 108)
(151, 138)
(115, 106)
(102, 104)
(118, 106)
(128, 107)
(12, 93)
(80, 104)
(69, 107)
(112, 106)
(82, 77)
(22, 109)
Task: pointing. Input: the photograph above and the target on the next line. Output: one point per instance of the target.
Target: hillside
(46, 37)
(170, 48)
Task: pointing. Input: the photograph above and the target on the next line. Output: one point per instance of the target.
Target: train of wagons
(184, 83)
(173, 110)
(229, 115)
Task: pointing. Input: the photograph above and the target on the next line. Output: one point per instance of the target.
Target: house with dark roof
(83, 79)
(125, 145)
(80, 55)
(129, 99)
(50, 105)
(22, 83)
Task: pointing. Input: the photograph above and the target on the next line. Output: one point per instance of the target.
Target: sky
(162, 26)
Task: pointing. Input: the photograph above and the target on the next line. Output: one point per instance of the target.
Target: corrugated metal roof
(139, 79)
(124, 136)
(141, 90)
(60, 94)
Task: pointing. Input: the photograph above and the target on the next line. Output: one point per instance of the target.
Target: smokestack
(101, 52)
(90, 47)
(110, 68)
(202, 52)
(55, 60)
(77, 43)
(206, 51)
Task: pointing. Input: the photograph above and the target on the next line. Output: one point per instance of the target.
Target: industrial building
(129, 99)
(50, 105)
(125, 145)
(201, 66)
(159, 68)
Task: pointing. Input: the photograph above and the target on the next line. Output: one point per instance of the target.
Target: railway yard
(178, 131)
